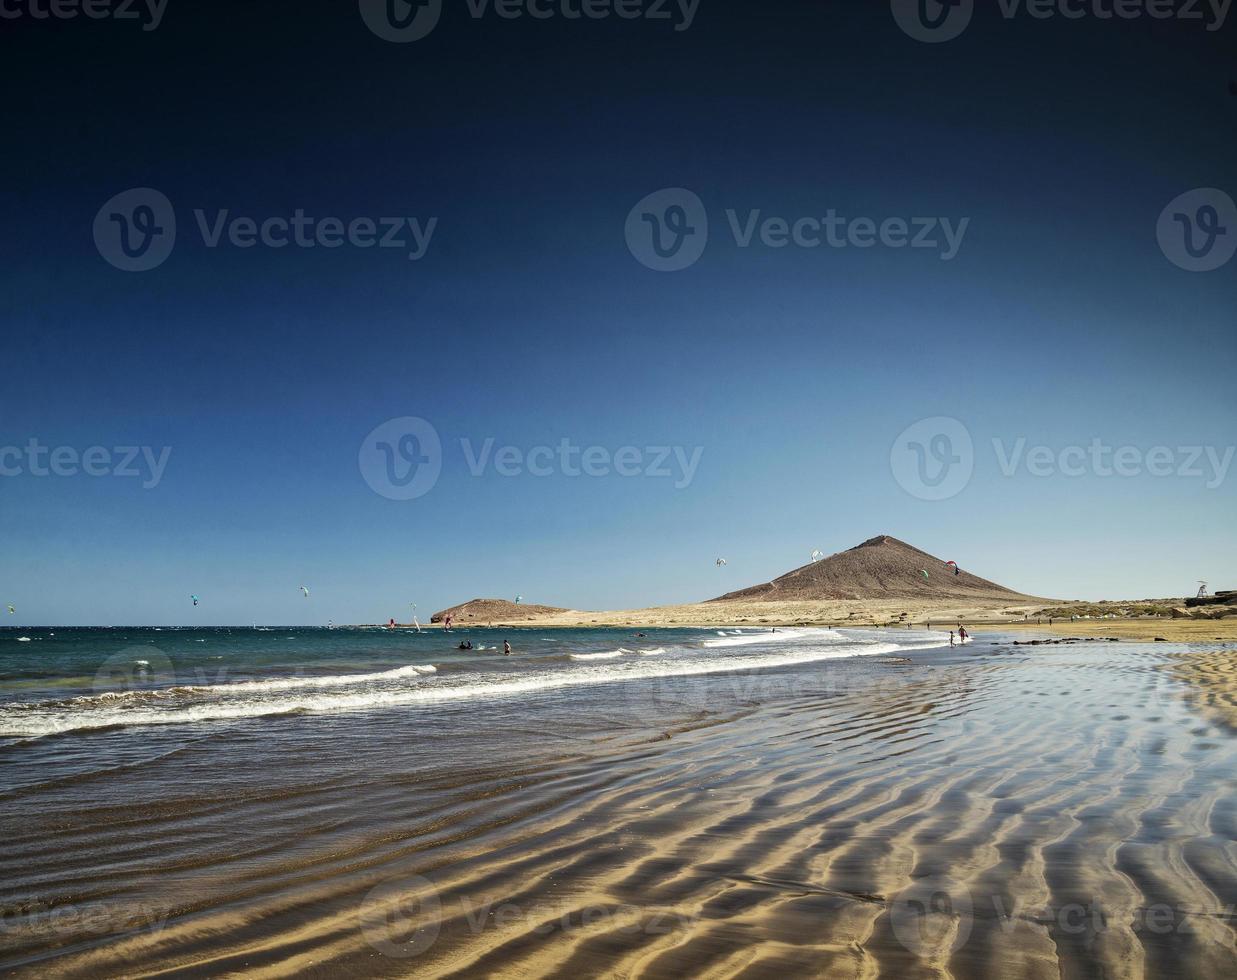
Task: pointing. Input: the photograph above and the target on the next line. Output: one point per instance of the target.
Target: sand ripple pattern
(1061, 813)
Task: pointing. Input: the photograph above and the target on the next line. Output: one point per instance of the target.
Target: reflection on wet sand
(1009, 813)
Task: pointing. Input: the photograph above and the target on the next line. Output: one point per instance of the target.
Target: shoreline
(964, 813)
(1170, 630)
(867, 615)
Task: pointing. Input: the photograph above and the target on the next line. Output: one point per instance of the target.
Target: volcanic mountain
(881, 568)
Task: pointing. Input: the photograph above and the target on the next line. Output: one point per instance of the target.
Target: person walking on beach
(951, 638)
(962, 634)
(506, 648)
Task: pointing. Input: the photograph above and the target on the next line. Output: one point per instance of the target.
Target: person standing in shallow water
(951, 637)
(506, 648)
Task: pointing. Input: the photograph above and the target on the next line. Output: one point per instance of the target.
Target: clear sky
(528, 320)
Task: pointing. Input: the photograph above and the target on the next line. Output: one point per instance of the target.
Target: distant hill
(881, 568)
(483, 611)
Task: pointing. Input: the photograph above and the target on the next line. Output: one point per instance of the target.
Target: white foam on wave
(269, 685)
(739, 639)
(492, 687)
(607, 655)
(294, 683)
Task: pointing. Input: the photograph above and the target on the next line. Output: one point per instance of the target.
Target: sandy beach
(619, 490)
(995, 810)
(887, 613)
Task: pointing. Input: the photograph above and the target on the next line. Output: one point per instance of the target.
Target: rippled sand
(1213, 678)
(1061, 811)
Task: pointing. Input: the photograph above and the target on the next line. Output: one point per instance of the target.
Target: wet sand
(995, 811)
(1212, 675)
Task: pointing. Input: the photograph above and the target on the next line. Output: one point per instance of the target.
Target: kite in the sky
(12, 611)
(720, 562)
(817, 554)
(518, 598)
(195, 599)
(306, 591)
(953, 565)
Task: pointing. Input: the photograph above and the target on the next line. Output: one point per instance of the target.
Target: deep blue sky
(1060, 320)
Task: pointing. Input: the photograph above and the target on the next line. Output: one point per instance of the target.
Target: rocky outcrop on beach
(1068, 640)
(1218, 606)
(483, 612)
